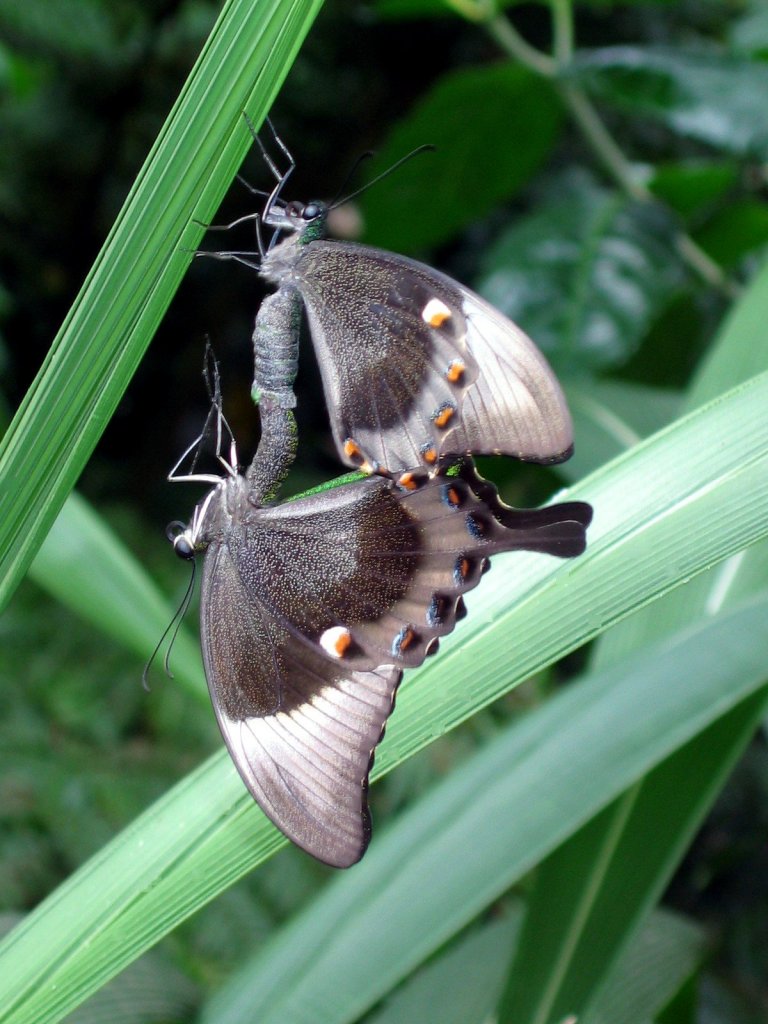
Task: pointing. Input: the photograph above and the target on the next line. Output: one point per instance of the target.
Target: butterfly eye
(312, 210)
(178, 535)
(183, 548)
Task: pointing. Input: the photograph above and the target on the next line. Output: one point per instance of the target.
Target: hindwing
(311, 609)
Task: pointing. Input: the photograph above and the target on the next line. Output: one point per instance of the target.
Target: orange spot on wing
(455, 372)
(406, 638)
(443, 416)
(435, 313)
(342, 644)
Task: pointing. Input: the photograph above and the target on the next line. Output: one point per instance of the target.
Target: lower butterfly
(311, 609)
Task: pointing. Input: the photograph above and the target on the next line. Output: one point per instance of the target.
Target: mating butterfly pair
(311, 609)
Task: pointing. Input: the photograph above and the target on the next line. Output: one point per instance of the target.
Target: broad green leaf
(468, 115)
(749, 33)
(693, 187)
(706, 94)
(115, 315)
(734, 231)
(84, 31)
(666, 510)
(585, 274)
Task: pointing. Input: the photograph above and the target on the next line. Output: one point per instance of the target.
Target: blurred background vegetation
(619, 253)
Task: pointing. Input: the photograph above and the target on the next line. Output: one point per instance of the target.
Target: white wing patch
(335, 641)
(307, 767)
(516, 406)
(435, 313)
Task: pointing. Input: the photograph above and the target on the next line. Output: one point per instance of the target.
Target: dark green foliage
(436, 195)
(702, 93)
(588, 273)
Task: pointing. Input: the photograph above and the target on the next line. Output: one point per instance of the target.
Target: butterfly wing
(516, 406)
(311, 609)
(416, 366)
(300, 725)
(300, 729)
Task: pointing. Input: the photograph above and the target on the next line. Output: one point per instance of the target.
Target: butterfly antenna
(175, 625)
(179, 618)
(426, 148)
(351, 173)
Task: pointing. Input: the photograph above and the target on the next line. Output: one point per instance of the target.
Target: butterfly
(311, 609)
(416, 368)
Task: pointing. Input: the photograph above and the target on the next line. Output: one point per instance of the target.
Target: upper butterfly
(415, 366)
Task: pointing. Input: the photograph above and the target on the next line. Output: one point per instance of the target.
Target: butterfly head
(183, 542)
(307, 220)
(191, 539)
(187, 538)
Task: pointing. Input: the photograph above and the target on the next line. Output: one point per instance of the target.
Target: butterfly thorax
(280, 265)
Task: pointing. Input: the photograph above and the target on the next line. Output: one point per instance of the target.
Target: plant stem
(562, 31)
(510, 40)
(603, 145)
